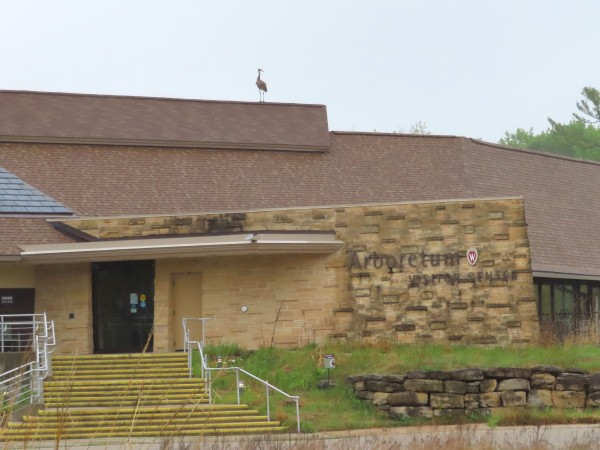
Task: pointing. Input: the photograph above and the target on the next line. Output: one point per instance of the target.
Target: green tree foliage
(580, 138)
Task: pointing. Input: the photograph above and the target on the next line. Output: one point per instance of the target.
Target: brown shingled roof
(101, 119)
(561, 202)
(26, 230)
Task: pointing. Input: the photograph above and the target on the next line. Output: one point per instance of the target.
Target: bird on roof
(262, 86)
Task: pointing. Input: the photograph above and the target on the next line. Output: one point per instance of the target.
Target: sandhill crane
(262, 86)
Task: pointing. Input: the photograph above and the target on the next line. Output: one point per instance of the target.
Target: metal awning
(178, 247)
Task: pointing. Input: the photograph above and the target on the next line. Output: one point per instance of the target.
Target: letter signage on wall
(414, 264)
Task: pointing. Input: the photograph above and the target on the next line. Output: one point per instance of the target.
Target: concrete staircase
(139, 395)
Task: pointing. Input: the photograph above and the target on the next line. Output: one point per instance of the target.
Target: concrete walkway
(462, 437)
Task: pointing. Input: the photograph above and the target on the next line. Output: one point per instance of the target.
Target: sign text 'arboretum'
(418, 261)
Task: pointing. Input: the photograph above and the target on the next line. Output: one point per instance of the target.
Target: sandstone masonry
(467, 391)
(402, 276)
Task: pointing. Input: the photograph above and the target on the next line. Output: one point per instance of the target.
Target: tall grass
(298, 372)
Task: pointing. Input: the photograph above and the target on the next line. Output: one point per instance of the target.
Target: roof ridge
(392, 134)
(534, 152)
(142, 97)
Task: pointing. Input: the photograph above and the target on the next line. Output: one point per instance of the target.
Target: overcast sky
(463, 67)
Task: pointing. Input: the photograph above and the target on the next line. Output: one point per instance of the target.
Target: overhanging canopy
(174, 247)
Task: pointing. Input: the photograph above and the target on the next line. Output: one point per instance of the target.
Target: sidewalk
(462, 437)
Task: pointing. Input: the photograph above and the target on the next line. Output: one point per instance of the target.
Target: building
(119, 216)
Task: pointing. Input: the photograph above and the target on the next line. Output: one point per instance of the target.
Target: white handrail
(21, 333)
(206, 372)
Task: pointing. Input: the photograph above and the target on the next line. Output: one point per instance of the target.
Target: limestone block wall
(289, 299)
(465, 391)
(17, 276)
(402, 275)
(64, 293)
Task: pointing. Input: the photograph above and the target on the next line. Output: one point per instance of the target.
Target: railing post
(298, 413)
(237, 384)
(209, 378)
(2, 334)
(268, 404)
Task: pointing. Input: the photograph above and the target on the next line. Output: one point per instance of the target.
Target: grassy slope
(298, 371)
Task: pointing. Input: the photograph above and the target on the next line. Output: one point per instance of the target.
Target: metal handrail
(25, 383)
(206, 374)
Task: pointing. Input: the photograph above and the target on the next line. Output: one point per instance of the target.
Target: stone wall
(64, 293)
(464, 391)
(402, 275)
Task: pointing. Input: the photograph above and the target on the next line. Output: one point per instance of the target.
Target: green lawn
(298, 371)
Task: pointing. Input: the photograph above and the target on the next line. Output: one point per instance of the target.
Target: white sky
(473, 68)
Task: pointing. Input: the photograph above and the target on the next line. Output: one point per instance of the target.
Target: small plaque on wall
(17, 300)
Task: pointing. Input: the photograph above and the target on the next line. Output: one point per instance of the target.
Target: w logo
(472, 256)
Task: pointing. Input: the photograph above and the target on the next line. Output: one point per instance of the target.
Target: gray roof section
(18, 197)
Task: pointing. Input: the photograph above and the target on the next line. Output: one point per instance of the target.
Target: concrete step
(101, 417)
(150, 395)
(32, 434)
(138, 411)
(188, 421)
(117, 374)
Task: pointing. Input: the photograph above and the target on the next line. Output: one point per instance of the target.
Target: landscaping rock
(488, 385)
(593, 400)
(490, 399)
(507, 372)
(429, 374)
(513, 384)
(456, 414)
(473, 387)
(421, 385)
(455, 387)
(364, 395)
(514, 398)
(358, 385)
(467, 375)
(372, 385)
(552, 370)
(542, 381)
(594, 382)
(446, 401)
(408, 399)
(380, 398)
(403, 412)
(568, 399)
(472, 401)
(539, 398)
(572, 382)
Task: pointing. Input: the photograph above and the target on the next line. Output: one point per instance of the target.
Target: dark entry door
(123, 306)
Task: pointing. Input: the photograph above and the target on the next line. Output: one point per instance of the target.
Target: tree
(592, 95)
(580, 138)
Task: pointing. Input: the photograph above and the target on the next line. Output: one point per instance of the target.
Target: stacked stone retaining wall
(465, 391)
